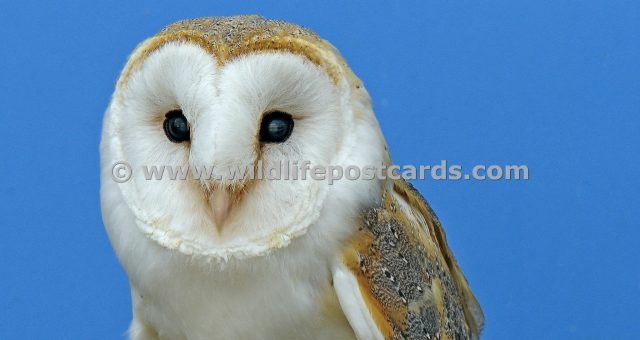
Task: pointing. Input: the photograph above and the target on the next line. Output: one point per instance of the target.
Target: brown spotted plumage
(407, 275)
(229, 37)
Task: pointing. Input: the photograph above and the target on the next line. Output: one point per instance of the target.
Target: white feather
(262, 277)
(353, 305)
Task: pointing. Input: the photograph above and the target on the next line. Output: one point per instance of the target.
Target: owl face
(180, 105)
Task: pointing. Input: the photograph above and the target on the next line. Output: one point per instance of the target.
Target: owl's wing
(397, 278)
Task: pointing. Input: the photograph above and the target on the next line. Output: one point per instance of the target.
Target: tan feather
(408, 277)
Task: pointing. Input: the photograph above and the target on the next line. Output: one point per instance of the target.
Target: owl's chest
(267, 301)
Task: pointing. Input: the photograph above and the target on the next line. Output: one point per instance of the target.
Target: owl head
(225, 95)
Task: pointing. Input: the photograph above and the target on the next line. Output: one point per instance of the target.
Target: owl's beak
(220, 203)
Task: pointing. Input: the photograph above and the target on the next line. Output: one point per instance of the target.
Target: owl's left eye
(276, 127)
(176, 126)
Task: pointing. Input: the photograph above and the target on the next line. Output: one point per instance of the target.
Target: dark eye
(276, 127)
(176, 126)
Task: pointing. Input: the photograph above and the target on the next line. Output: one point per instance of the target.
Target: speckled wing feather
(398, 279)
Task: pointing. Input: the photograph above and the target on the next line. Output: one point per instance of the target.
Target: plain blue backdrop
(554, 85)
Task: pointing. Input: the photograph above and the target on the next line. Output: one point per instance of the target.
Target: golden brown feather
(410, 281)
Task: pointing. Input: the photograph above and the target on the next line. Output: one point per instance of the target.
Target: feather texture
(406, 274)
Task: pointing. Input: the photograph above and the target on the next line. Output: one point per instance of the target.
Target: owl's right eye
(176, 126)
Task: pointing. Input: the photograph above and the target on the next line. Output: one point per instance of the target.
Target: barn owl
(250, 258)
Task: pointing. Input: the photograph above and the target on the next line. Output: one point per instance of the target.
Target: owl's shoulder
(405, 274)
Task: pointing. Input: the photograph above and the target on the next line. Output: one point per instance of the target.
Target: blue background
(554, 85)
